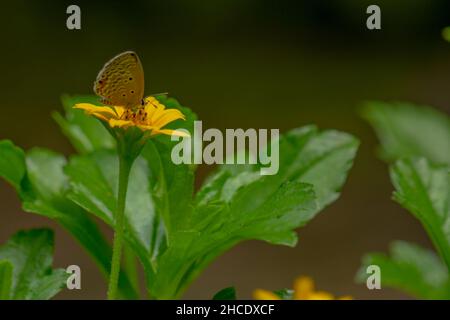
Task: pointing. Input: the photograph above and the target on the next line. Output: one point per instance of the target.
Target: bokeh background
(238, 63)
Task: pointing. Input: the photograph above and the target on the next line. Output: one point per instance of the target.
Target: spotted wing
(121, 81)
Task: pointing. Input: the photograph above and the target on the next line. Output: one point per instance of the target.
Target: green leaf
(174, 186)
(30, 253)
(176, 182)
(158, 190)
(290, 206)
(42, 188)
(307, 156)
(419, 137)
(12, 163)
(285, 294)
(84, 132)
(415, 270)
(6, 275)
(424, 189)
(226, 294)
(406, 130)
(238, 204)
(94, 187)
(184, 233)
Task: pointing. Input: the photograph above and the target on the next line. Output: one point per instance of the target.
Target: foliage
(418, 140)
(26, 267)
(411, 268)
(173, 230)
(226, 294)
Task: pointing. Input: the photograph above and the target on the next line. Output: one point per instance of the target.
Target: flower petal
(157, 117)
(303, 288)
(152, 100)
(151, 105)
(260, 294)
(119, 111)
(170, 132)
(167, 117)
(320, 295)
(150, 110)
(96, 110)
(120, 123)
(157, 112)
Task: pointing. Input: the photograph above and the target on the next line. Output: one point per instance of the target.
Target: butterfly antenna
(160, 94)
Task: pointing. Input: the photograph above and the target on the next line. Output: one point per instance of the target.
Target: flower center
(138, 115)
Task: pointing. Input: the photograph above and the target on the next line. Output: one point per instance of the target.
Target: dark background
(238, 63)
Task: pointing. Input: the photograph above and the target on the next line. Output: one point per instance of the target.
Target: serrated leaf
(419, 137)
(407, 130)
(226, 294)
(42, 188)
(424, 189)
(6, 276)
(30, 253)
(415, 270)
(237, 204)
(306, 156)
(232, 209)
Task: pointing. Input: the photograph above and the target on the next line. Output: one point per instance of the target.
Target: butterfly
(121, 81)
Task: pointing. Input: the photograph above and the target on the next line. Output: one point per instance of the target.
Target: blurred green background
(238, 63)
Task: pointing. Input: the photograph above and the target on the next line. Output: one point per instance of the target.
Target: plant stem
(124, 172)
(131, 267)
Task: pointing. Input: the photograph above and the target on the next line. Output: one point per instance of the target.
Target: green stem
(131, 267)
(124, 172)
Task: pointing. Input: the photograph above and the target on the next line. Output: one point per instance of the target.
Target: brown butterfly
(121, 81)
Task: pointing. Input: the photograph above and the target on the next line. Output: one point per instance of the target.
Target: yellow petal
(303, 287)
(119, 111)
(85, 106)
(152, 100)
(170, 132)
(167, 117)
(157, 112)
(260, 294)
(120, 123)
(149, 99)
(320, 295)
(150, 110)
(151, 105)
(96, 110)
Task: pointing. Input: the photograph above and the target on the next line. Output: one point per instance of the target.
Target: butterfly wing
(121, 81)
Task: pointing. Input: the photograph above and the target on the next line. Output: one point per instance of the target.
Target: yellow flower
(260, 294)
(303, 290)
(151, 117)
